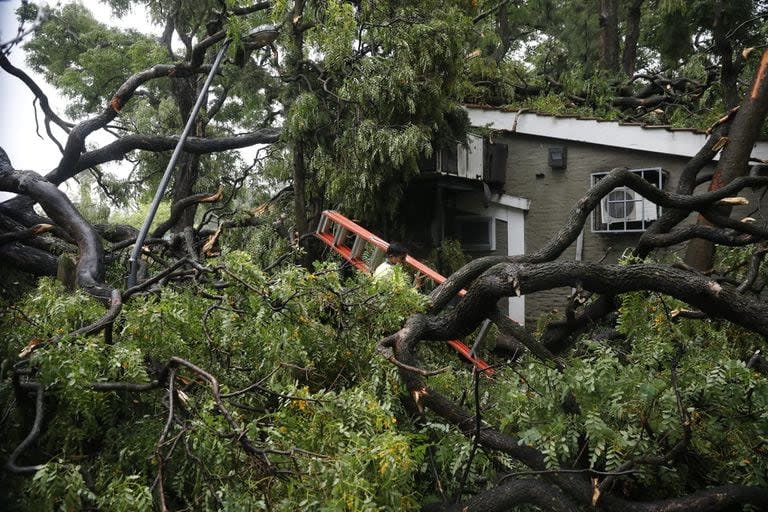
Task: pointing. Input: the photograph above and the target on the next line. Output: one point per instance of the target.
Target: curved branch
(699, 291)
(50, 115)
(258, 6)
(242, 438)
(28, 259)
(126, 386)
(116, 233)
(90, 265)
(198, 52)
(116, 305)
(76, 141)
(177, 210)
(712, 499)
(508, 279)
(196, 145)
(511, 494)
(154, 279)
(725, 237)
(25, 234)
(755, 262)
(633, 102)
(10, 464)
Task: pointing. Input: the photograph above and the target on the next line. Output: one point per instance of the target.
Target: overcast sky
(18, 134)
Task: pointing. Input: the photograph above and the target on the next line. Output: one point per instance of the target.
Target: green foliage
(59, 486)
(28, 11)
(448, 258)
(385, 159)
(136, 218)
(329, 409)
(550, 52)
(382, 94)
(619, 401)
(125, 494)
(371, 465)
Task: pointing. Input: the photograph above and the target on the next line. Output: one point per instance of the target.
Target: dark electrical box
(557, 157)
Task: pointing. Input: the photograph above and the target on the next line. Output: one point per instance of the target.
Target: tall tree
(609, 35)
(631, 37)
(248, 382)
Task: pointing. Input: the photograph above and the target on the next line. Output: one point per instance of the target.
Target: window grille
(623, 210)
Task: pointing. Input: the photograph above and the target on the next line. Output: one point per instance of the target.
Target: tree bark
(188, 168)
(609, 35)
(735, 158)
(28, 259)
(729, 71)
(293, 64)
(511, 494)
(90, 265)
(504, 33)
(629, 54)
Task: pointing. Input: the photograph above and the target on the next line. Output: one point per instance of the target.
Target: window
(475, 233)
(623, 210)
(448, 160)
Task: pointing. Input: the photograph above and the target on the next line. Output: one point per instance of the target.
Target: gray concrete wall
(554, 192)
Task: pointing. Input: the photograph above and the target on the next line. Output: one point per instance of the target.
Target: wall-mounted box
(557, 157)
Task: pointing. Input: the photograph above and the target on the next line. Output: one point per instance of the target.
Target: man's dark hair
(397, 249)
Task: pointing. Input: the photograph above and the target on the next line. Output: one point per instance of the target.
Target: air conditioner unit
(626, 205)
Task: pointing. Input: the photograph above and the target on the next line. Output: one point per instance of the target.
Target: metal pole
(134, 259)
(480, 337)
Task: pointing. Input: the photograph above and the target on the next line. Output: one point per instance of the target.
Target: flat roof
(639, 137)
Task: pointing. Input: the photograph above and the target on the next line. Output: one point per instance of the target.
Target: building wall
(554, 192)
(537, 199)
(509, 228)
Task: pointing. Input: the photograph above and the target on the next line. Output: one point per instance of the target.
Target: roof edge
(639, 137)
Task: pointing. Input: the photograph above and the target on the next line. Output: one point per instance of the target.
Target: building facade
(509, 192)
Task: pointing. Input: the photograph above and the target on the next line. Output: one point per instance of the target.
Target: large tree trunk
(293, 63)
(90, 264)
(609, 35)
(188, 167)
(629, 56)
(735, 159)
(729, 71)
(504, 33)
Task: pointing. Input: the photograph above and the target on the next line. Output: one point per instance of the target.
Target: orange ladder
(349, 240)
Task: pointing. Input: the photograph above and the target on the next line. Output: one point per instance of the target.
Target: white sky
(18, 136)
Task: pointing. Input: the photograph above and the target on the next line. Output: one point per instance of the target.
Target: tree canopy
(246, 371)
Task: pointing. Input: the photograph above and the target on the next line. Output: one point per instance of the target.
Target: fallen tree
(578, 469)
(246, 379)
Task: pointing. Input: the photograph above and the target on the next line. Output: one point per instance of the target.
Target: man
(395, 255)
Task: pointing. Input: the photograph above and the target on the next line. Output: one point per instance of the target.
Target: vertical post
(136, 253)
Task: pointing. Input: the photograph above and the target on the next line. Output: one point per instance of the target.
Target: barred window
(623, 210)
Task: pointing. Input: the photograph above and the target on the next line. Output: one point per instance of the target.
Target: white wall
(511, 210)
